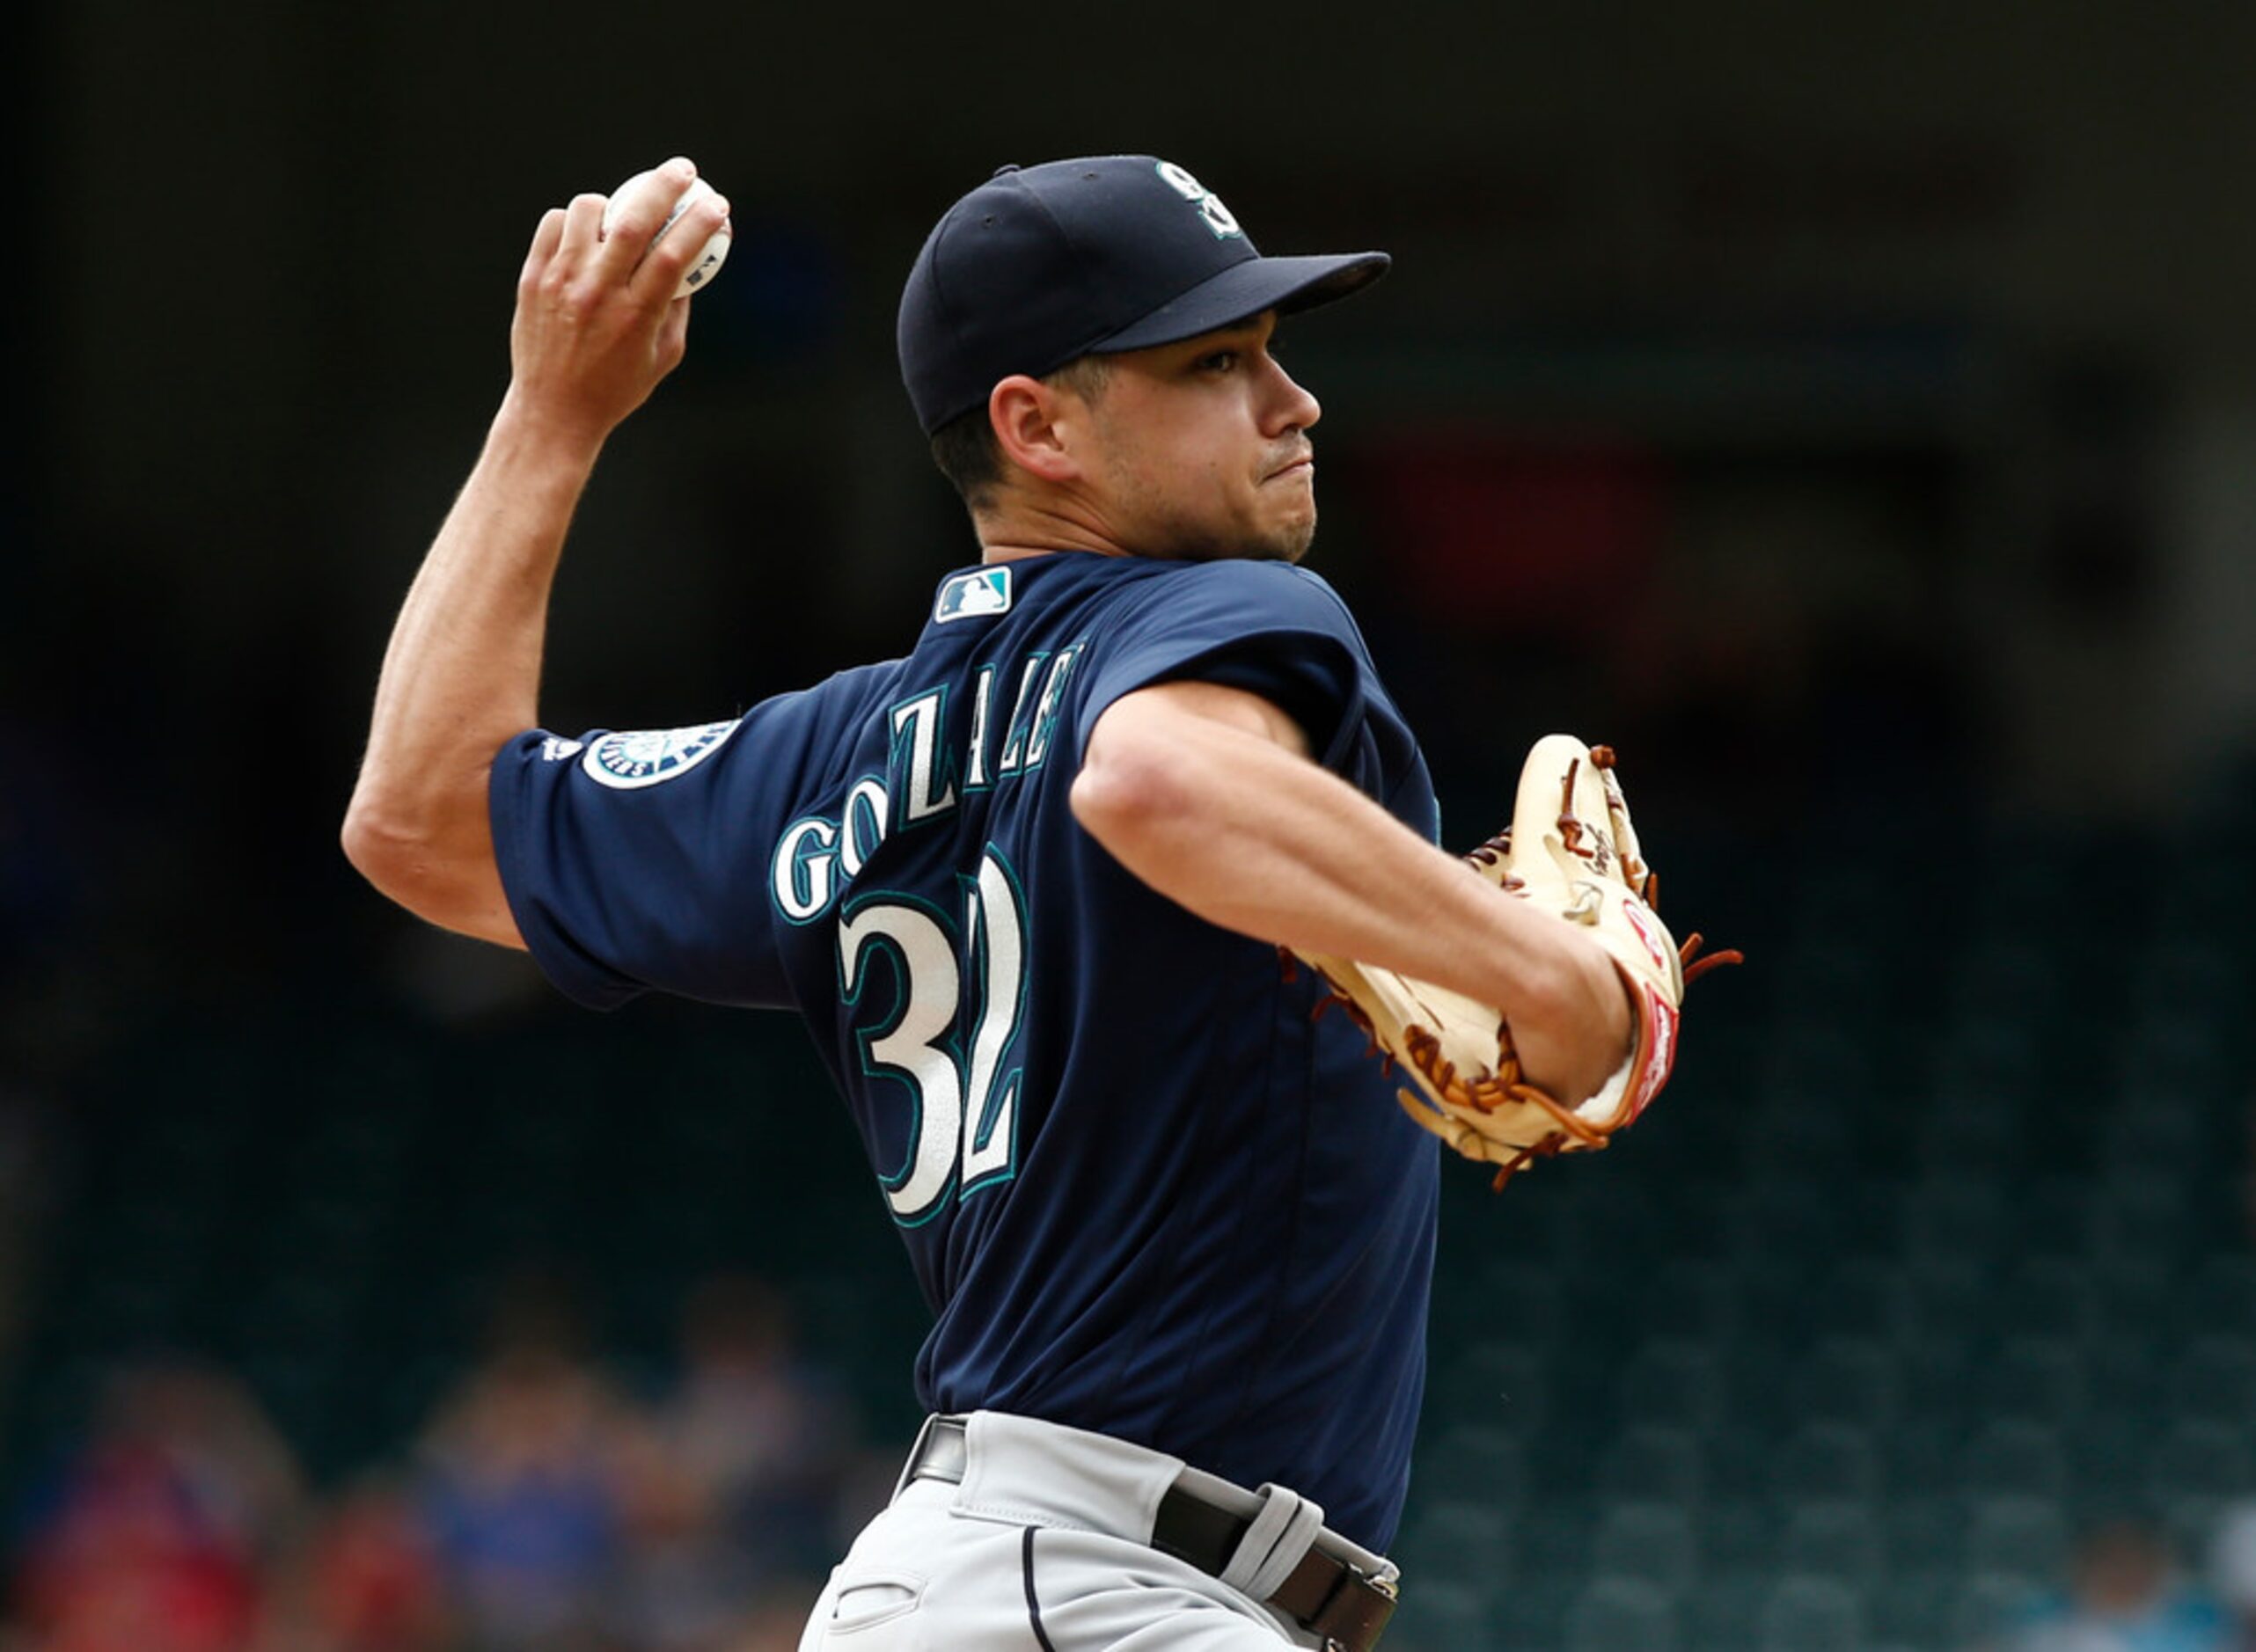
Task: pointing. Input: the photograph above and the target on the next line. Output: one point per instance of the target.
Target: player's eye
(1218, 361)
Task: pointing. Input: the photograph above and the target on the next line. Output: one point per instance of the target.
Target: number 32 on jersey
(964, 1107)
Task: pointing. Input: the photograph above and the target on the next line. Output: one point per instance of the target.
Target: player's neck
(1019, 526)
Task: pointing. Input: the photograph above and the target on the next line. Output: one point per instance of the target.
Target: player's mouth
(1302, 466)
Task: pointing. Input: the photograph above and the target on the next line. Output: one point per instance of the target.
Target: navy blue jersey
(1144, 1193)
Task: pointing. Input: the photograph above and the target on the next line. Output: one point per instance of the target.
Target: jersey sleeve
(1266, 627)
(637, 860)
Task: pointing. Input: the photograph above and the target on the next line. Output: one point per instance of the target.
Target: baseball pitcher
(1027, 885)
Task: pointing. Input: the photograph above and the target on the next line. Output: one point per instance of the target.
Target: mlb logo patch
(973, 596)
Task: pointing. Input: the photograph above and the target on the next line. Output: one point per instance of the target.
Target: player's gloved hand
(598, 325)
(1572, 850)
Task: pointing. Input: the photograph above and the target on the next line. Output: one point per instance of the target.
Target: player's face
(1204, 449)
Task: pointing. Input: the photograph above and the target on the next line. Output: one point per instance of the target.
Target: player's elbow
(1131, 787)
(386, 846)
(437, 866)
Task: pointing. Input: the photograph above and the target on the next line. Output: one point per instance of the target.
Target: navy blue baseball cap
(1042, 265)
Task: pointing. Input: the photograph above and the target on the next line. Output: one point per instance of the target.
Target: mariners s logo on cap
(1219, 218)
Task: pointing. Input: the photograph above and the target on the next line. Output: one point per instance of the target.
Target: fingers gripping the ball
(660, 236)
(633, 212)
(667, 230)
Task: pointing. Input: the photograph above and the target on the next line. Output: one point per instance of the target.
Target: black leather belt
(1331, 1598)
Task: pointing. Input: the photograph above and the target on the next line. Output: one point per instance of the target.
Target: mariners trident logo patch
(972, 596)
(629, 760)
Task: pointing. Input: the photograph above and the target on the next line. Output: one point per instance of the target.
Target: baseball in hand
(716, 248)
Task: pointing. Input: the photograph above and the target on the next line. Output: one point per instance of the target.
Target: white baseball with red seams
(716, 245)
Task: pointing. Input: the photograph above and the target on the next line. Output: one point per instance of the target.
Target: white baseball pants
(1045, 1546)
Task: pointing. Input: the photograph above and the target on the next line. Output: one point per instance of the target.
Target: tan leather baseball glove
(1572, 850)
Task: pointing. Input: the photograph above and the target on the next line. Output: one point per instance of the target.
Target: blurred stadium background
(1848, 410)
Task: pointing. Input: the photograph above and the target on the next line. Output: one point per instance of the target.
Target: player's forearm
(461, 675)
(1255, 839)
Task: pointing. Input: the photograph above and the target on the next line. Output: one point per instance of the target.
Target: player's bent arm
(460, 679)
(1207, 795)
(596, 326)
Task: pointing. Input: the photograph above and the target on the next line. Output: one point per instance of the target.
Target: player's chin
(1280, 535)
(1293, 545)
(1276, 540)
(1259, 535)
(1293, 532)
(1289, 515)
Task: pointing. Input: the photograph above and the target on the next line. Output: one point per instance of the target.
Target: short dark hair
(965, 447)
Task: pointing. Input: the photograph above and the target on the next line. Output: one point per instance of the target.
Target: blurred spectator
(562, 1517)
(766, 1443)
(2125, 1594)
(368, 1582)
(153, 1535)
(521, 1486)
(684, 1583)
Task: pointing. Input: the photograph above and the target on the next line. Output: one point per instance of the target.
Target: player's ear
(1032, 430)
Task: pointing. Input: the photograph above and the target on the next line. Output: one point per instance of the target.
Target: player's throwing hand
(598, 325)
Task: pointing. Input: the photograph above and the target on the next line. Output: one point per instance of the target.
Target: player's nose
(1293, 407)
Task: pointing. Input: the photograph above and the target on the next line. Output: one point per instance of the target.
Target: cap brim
(1283, 284)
